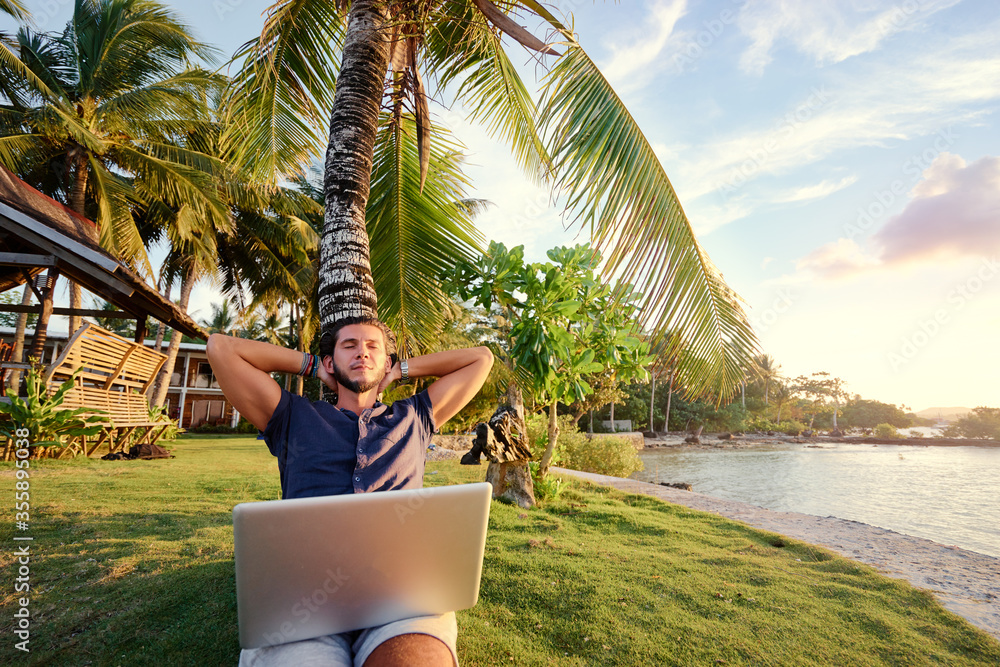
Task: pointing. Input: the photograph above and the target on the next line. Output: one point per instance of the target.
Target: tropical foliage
(101, 119)
(982, 423)
(580, 139)
(563, 330)
(42, 413)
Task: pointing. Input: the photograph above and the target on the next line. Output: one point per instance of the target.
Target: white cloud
(640, 50)
(890, 101)
(830, 31)
(841, 259)
(815, 191)
(955, 212)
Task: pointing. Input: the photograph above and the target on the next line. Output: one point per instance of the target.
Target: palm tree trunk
(160, 396)
(613, 429)
(670, 394)
(18, 352)
(77, 200)
(300, 382)
(160, 331)
(42, 326)
(652, 397)
(345, 281)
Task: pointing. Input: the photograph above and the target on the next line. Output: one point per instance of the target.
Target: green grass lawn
(133, 565)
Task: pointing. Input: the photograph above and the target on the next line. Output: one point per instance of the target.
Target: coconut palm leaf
(490, 87)
(281, 99)
(170, 103)
(175, 183)
(15, 8)
(115, 223)
(418, 236)
(613, 182)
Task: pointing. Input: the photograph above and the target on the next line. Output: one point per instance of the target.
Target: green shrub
(887, 432)
(602, 454)
(159, 414)
(538, 436)
(759, 423)
(791, 427)
(49, 424)
(546, 488)
(245, 427)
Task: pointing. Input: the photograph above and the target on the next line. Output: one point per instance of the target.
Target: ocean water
(950, 495)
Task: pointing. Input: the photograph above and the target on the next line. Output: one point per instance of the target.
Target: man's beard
(358, 387)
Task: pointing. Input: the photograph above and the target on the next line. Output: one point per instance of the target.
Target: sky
(839, 161)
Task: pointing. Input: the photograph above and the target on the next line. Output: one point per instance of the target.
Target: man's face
(359, 358)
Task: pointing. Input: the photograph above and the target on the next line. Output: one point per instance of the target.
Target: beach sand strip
(965, 582)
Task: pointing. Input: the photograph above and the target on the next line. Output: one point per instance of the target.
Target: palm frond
(614, 184)
(15, 8)
(417, 236)
(19, 152)
(490, 86)
(278, 105)
(175, 183)
(125, 45)
(177, 101)
(116, 226)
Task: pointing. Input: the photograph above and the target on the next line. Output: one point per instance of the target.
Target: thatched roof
(37, 232)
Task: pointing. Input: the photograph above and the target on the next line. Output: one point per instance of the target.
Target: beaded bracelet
(310, 365)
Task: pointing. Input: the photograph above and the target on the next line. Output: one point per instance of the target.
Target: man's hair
(328, 341)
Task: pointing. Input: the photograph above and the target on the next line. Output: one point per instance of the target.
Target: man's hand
(390, 377)
(326, 377)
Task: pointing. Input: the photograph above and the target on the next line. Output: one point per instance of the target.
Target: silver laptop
(315, 566)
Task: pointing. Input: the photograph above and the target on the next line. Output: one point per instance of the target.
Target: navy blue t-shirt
(324, 451)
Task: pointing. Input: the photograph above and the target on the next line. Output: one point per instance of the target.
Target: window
(205, 377)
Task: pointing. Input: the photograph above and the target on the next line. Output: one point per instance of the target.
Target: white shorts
(337, 650)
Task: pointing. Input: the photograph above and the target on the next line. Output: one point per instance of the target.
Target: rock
(770, 433)
(684, 486)
(692, 439)
(649, 434)
(726, 436)
(836, 433)
(807, 433)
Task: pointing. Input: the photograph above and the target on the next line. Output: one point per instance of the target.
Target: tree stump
(502, 441)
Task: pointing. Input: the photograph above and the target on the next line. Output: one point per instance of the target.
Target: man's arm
(460, 373)
(243, 369)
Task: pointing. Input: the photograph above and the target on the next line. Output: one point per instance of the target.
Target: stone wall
(458, 443)
(463, 443)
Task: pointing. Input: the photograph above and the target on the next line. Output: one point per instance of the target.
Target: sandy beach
(965, 582)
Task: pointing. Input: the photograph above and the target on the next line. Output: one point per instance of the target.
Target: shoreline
(713, 441)
(965, 582)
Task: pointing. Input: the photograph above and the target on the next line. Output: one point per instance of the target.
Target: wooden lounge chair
(116, 373)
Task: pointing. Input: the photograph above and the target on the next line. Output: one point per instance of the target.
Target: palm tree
(222, 319)
(782, 394)
(767, 371)
(581, 139)
(96, 120)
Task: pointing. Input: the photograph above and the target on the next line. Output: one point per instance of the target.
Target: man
(356, 445)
